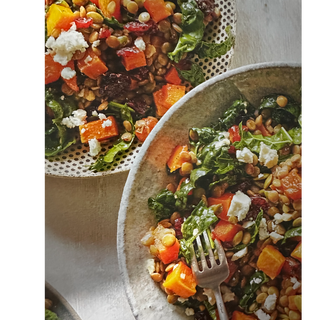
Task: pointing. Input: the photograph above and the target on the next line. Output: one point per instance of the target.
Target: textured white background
(81, 214)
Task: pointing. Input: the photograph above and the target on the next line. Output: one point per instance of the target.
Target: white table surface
(81, 214)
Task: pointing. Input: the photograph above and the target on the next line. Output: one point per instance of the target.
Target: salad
(113, 68)
(239, 180)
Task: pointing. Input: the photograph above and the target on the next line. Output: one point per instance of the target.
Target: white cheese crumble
(239, 206)
(87, 59)
(62, 97)
(244, 155)
(95, 43)
(150, 266)
(270, 302)
(255, 280)
(275, 237)
(95, 113)
(227, 294)
(262, 315)
(67, 73)
(140, 44)
(102, 116)
(182, 276)
(239, 254)
(77, 118)
(263, 229)
(278, 217)
(296, 283)
(94, 146)
(189, 312)
(66, 44)
(267, 156)
(182, 300)
(107, 123)
(223, 140)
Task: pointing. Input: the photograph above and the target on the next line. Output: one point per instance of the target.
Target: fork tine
(221, 253)
(194, 263)
(208, 244)
(200, 248)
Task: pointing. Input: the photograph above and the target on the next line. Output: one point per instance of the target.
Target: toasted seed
(132, 7)
(246, 237)
(83, 12)
(297, 222)
(127, 136)
(171, 298)
(93, 36)
(157, 277)
(261, 297)
(127, 125)
(144, 17)
(148, 239)
(176, 28)
(95, 16)
(283, 300)
(282, 101)
(103, 106)
(177, 18)
(268, 181)
(237, 238)
(168, 240)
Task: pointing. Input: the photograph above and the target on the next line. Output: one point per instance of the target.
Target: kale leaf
(296, 135)
(57, 136)
(50, 315)
(181, 195)
(294, 232)
(163, 204)
(195, 75)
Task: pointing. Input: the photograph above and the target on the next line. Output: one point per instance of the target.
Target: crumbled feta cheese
(247, 224)
(66, 45)
(182, 300)
(239, 206)
(62, 97)
(140, 44)
(67, 73)
(87, 59)
(182, 276)
(77, 118)
(150, 266)
(95, 113)
(95, 43)
(239, 254)
(278, 217)
(267, 156)
(102, 116)
(270, 302)
(223, 140)
(107, 123)
(95, 147)
(244, 155)
(255, 280)
(263, 229)
(189, 312)
(296, 283)
(275, 237)
(210, 294)
(262, 315)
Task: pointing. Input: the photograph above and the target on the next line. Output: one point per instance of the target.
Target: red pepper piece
(83, 22)
(235, 133)
(104, 33)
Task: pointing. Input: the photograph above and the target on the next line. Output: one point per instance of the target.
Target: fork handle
(220, 304)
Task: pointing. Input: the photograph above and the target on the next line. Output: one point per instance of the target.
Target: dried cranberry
(242, 186)
(139, 74)
(139, 105)
(257, 203)
(177, 227)
(83, 22)
(291, 268)
(114, 84)
(104, 33)
(141, 28)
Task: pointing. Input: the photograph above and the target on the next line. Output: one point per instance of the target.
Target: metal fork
(211, 276)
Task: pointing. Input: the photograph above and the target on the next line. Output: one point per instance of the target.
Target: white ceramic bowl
(200, 107)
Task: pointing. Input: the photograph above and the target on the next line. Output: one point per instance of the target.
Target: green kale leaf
(195, 75)
(50, 315)
(163, 204)
(296, 135)
(294, 232)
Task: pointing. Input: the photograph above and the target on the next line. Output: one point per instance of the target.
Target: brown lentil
(157, 277)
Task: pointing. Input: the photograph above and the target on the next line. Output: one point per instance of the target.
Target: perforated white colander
(75, 161)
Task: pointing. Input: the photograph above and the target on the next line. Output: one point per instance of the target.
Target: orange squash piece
(97, 129)
(225, 231)
(292, 185)
(143, 131)
(132, 58)
(270, 261)
(52, 69)
(157, 9)
(225, 201)
(172, 76)
(91, 65)
(181, 281)
(169, 254)
(297, 252)
(58, 18)
(72, 83)
(167, 96)
(176, 158)
(237, 315)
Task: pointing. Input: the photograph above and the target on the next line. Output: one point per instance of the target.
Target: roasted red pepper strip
(83, 22)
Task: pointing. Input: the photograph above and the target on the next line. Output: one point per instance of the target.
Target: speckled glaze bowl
(200, 107)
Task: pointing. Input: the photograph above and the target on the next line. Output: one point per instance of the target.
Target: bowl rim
(138, 161)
